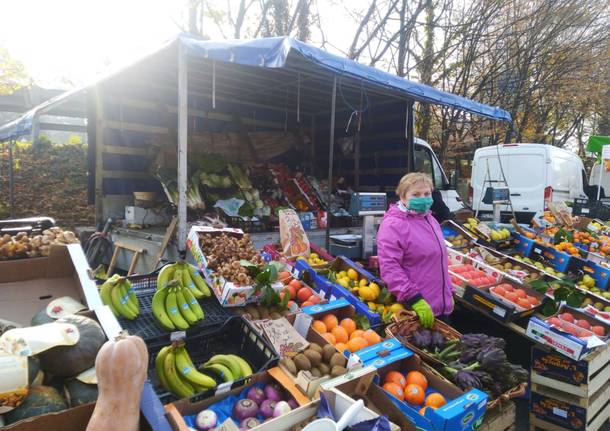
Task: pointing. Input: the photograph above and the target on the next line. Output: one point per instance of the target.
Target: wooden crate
(500, 418)
(554, 410)
(581, 378)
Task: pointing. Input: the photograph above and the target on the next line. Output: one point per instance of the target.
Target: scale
(371, 207)
(498, 197)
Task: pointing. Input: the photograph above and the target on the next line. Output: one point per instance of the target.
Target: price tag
(295, 272)
(537, 250)
(223, 388)
(177, 336)
(499, 311)
(560, 413)
(302, 322)
(353, 361)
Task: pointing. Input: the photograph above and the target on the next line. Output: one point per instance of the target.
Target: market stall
(270, 123)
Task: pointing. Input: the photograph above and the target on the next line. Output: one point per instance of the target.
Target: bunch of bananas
(117, 293)
(178, 375)
(174, 304)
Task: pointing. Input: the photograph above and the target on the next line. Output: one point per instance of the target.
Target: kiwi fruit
(327, 352)
(316, 347)
(275, 316)
(337, 370)
(324, 368)
(315, 372)
(253, 312)
(302, 362)
(289, 365)
(314, 357)
(337, 360)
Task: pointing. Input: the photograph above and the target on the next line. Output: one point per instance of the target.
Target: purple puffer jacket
(413, 259)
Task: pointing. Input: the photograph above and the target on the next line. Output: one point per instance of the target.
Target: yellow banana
(195, 307)
(184, 307)
(187, 282)
(133, 299)
(119, 303)
(198, 280)
(158, 309)
(176, 384)
(246, 370)
(125, 299)
(228, 362)
(159, 360)
(105, 294)
(219, 370)
(185, 366)
(171, 307)
(165, 275)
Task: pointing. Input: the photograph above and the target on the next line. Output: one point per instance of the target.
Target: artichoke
(437, 340)
(466, 380)
(491, 358)
(422, 338)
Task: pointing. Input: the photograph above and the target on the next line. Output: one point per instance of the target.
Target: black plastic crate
(248, 226)
(583, 207)
(237, 336)
(146, 325)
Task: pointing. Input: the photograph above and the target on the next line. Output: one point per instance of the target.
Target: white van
(534, 173)
(594, 179)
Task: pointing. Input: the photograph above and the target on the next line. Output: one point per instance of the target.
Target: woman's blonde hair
(411, 179)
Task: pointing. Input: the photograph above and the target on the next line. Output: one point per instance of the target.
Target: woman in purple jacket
(412, 252)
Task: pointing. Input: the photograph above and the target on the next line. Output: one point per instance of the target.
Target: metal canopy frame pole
(331, 150)
(410, 137)
(11, 178)
(182, 147)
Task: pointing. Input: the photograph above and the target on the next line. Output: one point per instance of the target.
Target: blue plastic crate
(524, 244)
(598, 272)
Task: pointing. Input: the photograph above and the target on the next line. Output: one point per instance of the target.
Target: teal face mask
(420, 205)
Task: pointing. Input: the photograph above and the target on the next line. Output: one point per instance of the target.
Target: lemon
(396, 307)
(341, 274)
(343, 283)
(371, 305)
(363, 282)
(351, 273)
(313, 256)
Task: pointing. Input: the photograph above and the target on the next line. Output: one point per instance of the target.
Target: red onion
(272, 392)
(267, 408)
(281, 408)
(293, 403)
(256, 394)
(244, 409)
(249, 423)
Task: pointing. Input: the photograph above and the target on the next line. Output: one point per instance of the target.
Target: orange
(435, 400)
(416, 378)
(414, 394)
(296, 284)
(422, 411)
(342, 347)
(340, 334)
(303, 293)
(356, 343)
(395, 377)
(371, 337)
(395, 390)
(349, 325)
(319, 326)
(283, 276)
(307, 304)
(330, 338)
(330, 320)
(356, 333)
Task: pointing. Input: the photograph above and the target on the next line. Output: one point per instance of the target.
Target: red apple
(555, 322)
(598, 330)
(583, 324)
(567, 317)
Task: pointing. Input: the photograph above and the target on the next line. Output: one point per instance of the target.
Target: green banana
(184, 307)
(246, 370)
(105, 294)
(198, 280)
(120, 304)
(219, 370)
(176, 384)
(185, 367)
(171, 307)
(133, 299)
(187, 282)
(228, 362)
(158, 309)
(159, 360)
(122, 286)
(165, 275)
(195, 307)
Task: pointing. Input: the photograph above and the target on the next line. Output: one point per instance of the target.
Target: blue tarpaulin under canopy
(273, 67)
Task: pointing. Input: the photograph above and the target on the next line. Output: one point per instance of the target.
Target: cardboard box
(177, 410)
(229, 294)
(569, 345)
(463, 411)
(28, 285)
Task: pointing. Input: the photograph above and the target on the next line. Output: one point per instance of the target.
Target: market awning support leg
(331, 150)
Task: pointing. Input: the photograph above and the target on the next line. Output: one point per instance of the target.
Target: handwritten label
(283, 336)
(302, 322)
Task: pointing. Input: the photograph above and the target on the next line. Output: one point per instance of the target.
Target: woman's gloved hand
(424, 313)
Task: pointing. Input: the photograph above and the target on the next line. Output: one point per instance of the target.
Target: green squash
(79, 393)
(69, 361)
(33, 369)
(41, 318)
(40, 400)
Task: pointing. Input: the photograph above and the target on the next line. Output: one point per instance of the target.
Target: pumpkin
(40, 400)
(79, 393)
(69, 361)
(121, 368)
